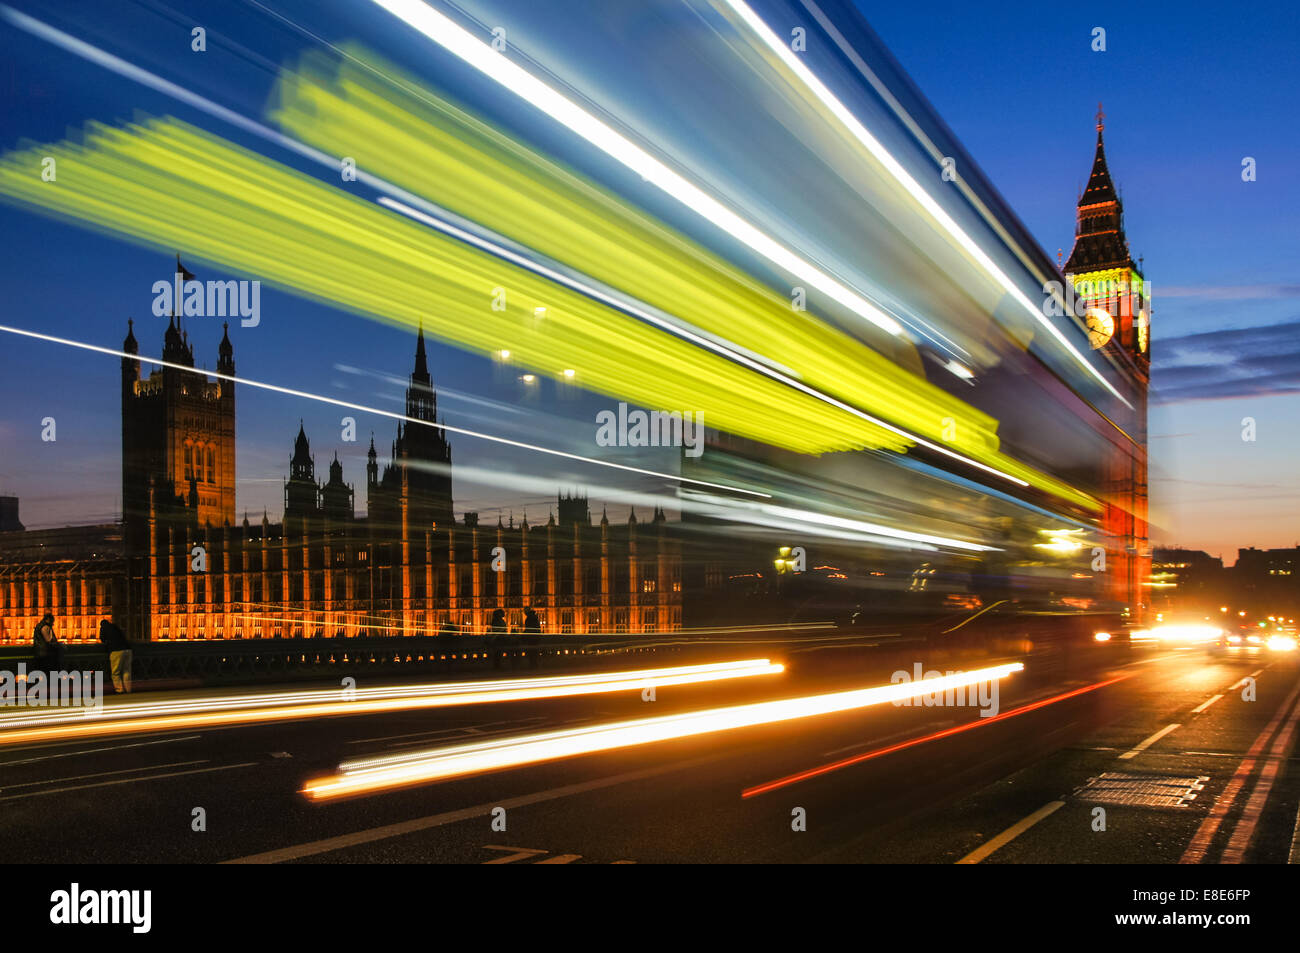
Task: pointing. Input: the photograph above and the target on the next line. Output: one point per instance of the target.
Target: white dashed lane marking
(1143, 745)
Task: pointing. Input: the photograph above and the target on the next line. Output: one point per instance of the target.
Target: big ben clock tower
(1118, 315)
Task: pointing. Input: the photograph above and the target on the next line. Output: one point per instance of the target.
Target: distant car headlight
(1234, 638)
(1253, 638)
(1102, 636)
(1282, 643)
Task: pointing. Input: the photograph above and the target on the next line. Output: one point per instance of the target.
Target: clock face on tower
(1101, 327)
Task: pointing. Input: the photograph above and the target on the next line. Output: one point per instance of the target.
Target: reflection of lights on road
(131, 717)
(379, 774)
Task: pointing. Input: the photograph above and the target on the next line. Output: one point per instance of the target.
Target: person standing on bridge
(49, 650)
(119, 655)
(532, 633)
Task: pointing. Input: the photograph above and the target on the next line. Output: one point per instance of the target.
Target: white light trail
(865, 527)
(40, 724)
(276, 388)
(910, 185)
(377, 774)
(650, 318)
(481, 56)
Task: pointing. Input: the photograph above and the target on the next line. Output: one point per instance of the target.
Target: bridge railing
(215, 661)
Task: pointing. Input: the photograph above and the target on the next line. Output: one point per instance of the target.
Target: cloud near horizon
(1234, 362)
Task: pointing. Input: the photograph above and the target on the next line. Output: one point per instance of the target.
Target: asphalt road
(910, 784)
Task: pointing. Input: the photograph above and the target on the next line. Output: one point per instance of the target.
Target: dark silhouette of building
(178, 430)
(1189, 580)
(9, 522)
(180, 567)
(1267, 582)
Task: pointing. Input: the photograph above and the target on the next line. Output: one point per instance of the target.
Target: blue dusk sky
(1187, 96)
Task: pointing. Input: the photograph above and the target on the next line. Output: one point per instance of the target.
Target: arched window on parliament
(189, 461)
(212, 465)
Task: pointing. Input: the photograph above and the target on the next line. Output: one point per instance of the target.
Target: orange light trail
(38, 725)
(945, 733)
(396, 771)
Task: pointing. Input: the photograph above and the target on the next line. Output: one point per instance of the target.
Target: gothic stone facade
(180, 567)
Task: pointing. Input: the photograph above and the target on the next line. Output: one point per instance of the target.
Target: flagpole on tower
(182, 275)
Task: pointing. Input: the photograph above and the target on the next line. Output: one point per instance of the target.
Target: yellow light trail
(426, 145)
(721, 346)
(41, 725)
(169, 185)
(378, 774)
(422, 143)
(108, 61)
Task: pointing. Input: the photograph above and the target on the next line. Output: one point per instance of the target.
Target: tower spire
(421, 373)
(1099, 242)
(225, 351)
